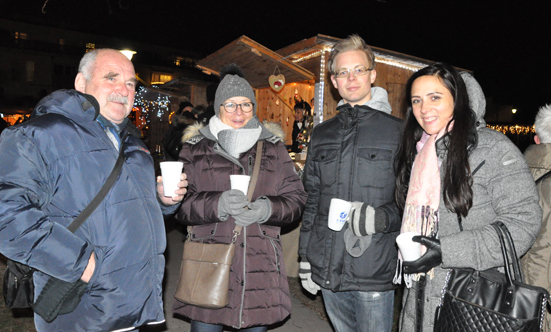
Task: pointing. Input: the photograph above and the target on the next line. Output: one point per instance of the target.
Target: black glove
(432, 258)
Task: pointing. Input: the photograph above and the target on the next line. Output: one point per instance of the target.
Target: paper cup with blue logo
(338, 213)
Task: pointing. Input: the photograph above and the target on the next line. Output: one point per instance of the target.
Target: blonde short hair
(352, 43)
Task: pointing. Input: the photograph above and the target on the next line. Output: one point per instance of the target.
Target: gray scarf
(235, 141)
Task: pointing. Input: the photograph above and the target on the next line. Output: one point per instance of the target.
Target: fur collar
(271, 132)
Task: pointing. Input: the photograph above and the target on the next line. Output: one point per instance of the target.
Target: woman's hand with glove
(432, 258)
(232, 203)
(258, 211)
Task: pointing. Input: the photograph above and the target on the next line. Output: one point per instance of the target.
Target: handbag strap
(81, 218)
(256, 170)
(511, 250)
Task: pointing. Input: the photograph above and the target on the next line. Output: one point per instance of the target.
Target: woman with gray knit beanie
(258, 291)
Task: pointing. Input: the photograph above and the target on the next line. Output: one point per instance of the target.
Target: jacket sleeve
(197, 208)
(312, 186)
(288, 204)
(394, 216)
(506, 181)
(537, 262)
(27, 235)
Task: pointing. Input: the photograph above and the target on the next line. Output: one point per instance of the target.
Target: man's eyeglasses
(358, 71)
(246, 107)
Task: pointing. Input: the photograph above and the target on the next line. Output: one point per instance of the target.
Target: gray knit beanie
(232, 84)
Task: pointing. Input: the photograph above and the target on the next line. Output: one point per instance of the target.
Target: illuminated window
(160, 78)
(90, 46)
(178, 61)
(20, 35)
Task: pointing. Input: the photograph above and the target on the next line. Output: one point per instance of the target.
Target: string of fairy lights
(161, 105)
(516, 129)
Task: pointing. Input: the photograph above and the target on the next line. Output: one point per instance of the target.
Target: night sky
(506, 43)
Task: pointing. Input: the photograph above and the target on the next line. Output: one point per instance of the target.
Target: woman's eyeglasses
(246, 107)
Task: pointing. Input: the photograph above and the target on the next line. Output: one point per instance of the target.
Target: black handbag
(57, 297)
(491, 301)
(18, 285)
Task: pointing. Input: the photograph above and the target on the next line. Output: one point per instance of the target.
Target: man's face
(113, 84)
(355, 90)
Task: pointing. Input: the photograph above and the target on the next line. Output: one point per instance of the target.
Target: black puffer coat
(259, 293)
(350, 157)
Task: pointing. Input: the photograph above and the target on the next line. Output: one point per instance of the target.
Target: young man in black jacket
(350, 157)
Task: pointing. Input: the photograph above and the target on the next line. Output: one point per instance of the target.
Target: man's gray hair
(352, 43)
(88, 62)
(543, 124)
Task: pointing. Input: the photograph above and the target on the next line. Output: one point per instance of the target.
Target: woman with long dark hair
(455, 177)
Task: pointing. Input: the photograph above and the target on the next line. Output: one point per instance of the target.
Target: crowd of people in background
(439, 172)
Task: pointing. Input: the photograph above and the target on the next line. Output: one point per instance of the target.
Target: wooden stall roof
(256, 61)
(305, 47)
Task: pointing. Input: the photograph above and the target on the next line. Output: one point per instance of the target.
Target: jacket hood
(198, 131)
(78, 107)
(378, 101)
(477, 100)
(65, 102)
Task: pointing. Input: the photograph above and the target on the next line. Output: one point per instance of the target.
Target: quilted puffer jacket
(51, 168)
(258, 292)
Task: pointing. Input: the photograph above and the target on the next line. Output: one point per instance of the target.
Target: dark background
(506, 43)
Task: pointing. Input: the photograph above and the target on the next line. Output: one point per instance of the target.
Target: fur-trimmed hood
(270, 131)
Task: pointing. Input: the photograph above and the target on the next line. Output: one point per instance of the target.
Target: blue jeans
(356, 311)
(197, 326)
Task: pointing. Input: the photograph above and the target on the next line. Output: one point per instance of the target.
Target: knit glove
(432, 258)
(305, 274)
(58, 297)
(259, 211)
(231, 203)
(365, 220)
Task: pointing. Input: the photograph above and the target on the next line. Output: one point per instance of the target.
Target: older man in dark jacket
(51, 168)
(350, 157)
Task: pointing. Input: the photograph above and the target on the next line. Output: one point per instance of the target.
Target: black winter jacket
(350, 157)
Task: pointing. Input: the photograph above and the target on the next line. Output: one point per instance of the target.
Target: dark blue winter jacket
(50, 169)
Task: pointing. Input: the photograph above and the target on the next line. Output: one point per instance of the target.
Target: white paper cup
(410, 250)
(338, 213)
(171, 172)
(240, 182)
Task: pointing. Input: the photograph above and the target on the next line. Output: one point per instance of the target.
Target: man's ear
(334, 80)
(373, 75)
(537, 139)
(80, 83)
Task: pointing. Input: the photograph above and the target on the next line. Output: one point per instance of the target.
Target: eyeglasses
(358, 71)
(246, 107)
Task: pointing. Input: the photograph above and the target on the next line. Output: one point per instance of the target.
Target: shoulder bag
(205, 270)
(57, 297)
(491, 301)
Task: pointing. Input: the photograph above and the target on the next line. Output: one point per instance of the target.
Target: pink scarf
(423, 198)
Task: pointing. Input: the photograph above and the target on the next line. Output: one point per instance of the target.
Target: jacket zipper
(244, 232)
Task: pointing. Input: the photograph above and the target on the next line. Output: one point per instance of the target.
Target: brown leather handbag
(205, 270)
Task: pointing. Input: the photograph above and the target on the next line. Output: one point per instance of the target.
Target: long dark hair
(458, 193)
